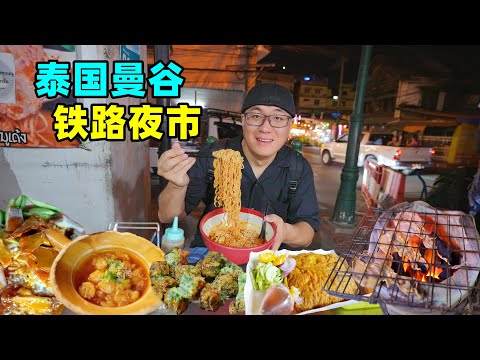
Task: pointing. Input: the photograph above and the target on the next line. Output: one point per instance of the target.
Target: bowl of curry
(106, 273)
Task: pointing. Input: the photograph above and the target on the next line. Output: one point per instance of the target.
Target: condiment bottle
(173, 237)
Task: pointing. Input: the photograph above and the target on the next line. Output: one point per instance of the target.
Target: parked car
(374, 146)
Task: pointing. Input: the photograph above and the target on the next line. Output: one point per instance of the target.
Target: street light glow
(335, 97)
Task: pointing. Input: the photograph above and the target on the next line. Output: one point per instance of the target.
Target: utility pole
(344, 211)
(337, 119)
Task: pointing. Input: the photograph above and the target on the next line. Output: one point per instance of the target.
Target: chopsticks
(264, 223)
(203, 155)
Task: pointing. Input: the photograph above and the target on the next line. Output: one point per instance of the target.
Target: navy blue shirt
(272, 186)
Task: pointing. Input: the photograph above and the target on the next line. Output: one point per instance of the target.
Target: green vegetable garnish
(45, 205)
(42, 213)
(265, 275)
(115, 271)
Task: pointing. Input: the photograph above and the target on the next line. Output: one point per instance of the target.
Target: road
(327, 181)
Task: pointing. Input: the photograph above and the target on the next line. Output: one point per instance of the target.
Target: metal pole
(337, 120)
(344, 211)
(162, 52)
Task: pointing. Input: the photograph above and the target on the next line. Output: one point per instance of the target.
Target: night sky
(320, 61)
(316, 61)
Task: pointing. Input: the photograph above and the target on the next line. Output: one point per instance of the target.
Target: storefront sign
(25, 118)
(129, 52)
(7, 78)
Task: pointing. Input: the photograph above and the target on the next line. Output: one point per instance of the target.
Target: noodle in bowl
(232, 230)
(253, 220)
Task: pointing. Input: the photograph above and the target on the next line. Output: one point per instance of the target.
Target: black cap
(270, 94)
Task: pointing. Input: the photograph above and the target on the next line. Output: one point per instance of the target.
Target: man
(267, 115)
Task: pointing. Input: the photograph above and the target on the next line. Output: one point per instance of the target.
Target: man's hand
(295, 235)
(281, 230)
(173, 165)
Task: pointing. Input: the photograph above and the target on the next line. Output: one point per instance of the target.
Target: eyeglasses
(276, 121)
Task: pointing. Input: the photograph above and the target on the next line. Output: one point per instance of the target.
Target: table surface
(194, 309)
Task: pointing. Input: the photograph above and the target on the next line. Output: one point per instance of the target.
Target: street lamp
(344, 211)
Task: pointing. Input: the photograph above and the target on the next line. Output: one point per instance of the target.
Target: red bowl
(238, 256)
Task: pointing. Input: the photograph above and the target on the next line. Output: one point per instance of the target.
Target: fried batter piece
(176, 257)
(212, 280)
(160, 285)
(173, 300)
(179, 270)
(232, 269)
(309, 277)
(227, 286)
(161, 268)
(210, 298)
(211, 265)
(190, 286)
(238, 305)
(161, 279)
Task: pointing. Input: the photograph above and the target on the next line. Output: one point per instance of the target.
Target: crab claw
(56, 239)
(70, 226)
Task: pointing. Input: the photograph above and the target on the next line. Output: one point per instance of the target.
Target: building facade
(396, 92)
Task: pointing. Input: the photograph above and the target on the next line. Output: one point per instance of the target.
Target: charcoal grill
(412, 258)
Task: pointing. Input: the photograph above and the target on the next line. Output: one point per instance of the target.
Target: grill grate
(412, 257)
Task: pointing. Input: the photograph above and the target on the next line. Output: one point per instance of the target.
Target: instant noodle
(228, 165)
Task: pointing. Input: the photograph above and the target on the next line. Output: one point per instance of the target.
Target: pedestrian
(269, 167)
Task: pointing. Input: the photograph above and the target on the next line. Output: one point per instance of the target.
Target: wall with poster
(95, 184)
(129, 161)
(25, 119)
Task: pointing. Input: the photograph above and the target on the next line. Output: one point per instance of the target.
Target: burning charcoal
(422, 266)
(422, 249)
(443, 275)
(397, 265)
(442, 248)
(456, 258)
